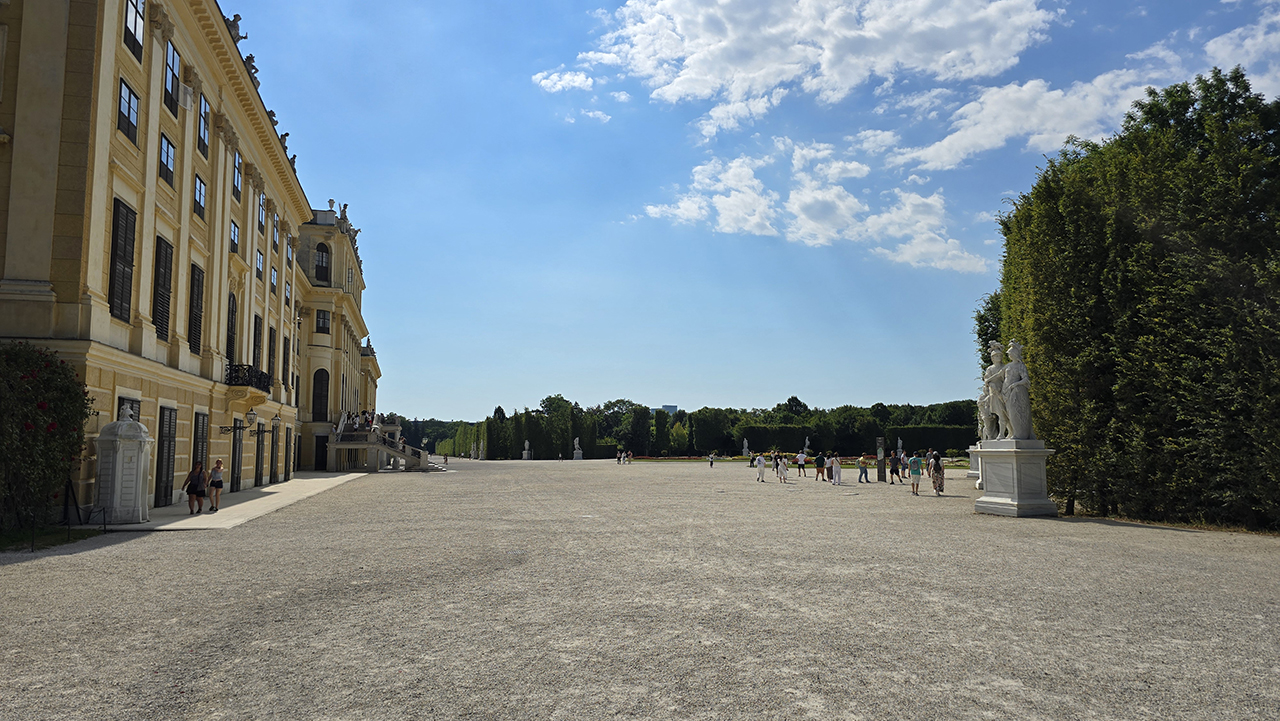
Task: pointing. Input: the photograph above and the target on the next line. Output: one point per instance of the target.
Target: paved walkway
(239, 507)
(585, 590)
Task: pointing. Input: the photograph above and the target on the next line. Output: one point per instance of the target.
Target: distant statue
(806, 445)
(526, 446)
(1017, 395)
(330, 203)
(293, 161)
(284, 142)
(344, 211)
(995, 418)
(233, 24)
(272, 114)
(576, 445)
(745, 450)
(353, 233)
(252, 67)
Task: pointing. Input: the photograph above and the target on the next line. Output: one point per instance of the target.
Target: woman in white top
(782, 469)
(834, 463)
(760, 468)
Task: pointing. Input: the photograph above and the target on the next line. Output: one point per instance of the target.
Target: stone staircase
(375, 442)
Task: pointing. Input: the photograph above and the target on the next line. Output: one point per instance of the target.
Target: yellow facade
(149, 222)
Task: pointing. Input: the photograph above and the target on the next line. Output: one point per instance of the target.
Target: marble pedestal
(526, 456)
(577, 455)
(975, 469)
(1013, 478)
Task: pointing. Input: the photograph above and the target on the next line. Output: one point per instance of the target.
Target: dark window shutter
(231, 328)
(120, 288)
(163, 290)
(320, 395)
(197, 309)
(257, 341)
(201, 451)
(271, 352)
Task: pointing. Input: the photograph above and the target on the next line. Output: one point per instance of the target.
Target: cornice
(209, 18)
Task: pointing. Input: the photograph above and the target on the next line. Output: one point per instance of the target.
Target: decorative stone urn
(124, 465)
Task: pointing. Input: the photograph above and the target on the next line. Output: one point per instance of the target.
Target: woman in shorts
(194, 486)
(215, 486)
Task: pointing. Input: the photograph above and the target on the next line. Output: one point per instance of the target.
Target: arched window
(320, 395)
(322, 262)
(231, 328)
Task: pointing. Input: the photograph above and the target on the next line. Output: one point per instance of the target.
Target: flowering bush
(43, 409)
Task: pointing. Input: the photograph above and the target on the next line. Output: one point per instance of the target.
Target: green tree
(661, 432)
(43, 409)
(1141, 275)
(679, 440)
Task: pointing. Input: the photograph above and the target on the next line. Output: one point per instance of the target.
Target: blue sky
(700, 203)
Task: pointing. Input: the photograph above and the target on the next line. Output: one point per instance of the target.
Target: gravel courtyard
(508, 590)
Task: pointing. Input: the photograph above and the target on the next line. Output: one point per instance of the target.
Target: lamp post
(249, 419)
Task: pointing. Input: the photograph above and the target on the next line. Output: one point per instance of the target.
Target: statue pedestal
(1013, 476)
(526, 456)
(975, 468)
(577, 455)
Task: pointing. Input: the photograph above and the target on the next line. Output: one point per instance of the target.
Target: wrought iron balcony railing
(247, 375)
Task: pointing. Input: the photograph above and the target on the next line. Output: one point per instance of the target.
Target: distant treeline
(622, 424)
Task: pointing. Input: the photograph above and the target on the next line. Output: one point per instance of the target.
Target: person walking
(835, 470)
(712, 459)
(819, 466)
(914, 466)
(893, 468)
(801, 458)
(938, 473)
(862, 469)
(782, 468)
(760, 468)
(215, 486)
(195, 488)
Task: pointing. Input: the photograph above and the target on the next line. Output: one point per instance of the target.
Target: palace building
(154, 233)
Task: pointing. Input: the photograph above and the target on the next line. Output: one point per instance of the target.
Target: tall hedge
(1142, 275)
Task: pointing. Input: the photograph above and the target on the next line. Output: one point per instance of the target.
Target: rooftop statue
(233, 24)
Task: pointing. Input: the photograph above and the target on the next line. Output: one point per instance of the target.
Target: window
(163, 289)
(322, 262)
(235, 237)
(167, 153)
(202, 130)
(200, 450)
(287, 293)
(231, 328)
(288, 253)
(172, 83)
(274, 278)
(195, 316)
(258, 272)
(320, 396)
(127, 118)
(124, 224)
(199, 198)
(134, 17)
(257, 341)
(262, 212)
(275, 234)
(322, 321)
(271, 352)
(236, 177)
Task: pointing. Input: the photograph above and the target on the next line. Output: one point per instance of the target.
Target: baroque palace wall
(150, 223)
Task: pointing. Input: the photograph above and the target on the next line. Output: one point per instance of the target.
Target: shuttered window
(134, 10)
(163, 290)
(127, 114)
(202, 130)
(172, 64)
(271, 352)
(200, 451)
(166, 456)
(120, 287)
(196, 315)
(236, 177)
(257, 341)
(231, 328)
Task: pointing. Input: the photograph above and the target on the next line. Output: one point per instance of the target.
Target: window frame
(237, 177)
(199, 195)
(235, 237)
(127, 112)
(275, 233)
(262, 213)
(135, 20)
(275, 280)
(326, 326)
(261, 264)
(172, 77)
(202, 127)
(168, 153)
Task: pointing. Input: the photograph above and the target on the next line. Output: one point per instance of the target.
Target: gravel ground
(591, 590)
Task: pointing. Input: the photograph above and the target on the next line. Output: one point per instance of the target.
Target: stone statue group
(1004, 408)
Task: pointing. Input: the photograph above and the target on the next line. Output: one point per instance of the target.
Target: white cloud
(596, 114)
(554, 82)
(740, 54)
(818, 210)
(914, 179)
(876, 141)
(1256, 47)
(622, 96)
(920, 223)
(921, 105)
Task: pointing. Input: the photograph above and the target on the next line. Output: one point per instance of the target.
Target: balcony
(247, 375)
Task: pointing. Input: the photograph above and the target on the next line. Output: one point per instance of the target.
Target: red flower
(28, 426)
(51, 427)
(42, 405)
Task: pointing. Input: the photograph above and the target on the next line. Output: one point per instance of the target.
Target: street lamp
(251, 417)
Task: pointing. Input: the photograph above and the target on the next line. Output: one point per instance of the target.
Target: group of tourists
(201, 484)
(827, 467)
(625, 457)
